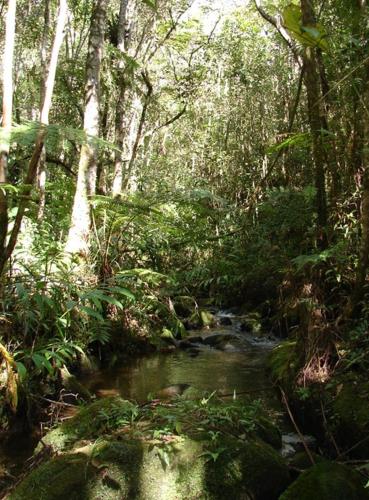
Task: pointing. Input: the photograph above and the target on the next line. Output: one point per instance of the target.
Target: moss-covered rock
(301, 461)
(351, 415)
(269, 433)
(327, 481)
(179, 470)
(113, 449)
(60, 478)
(88, 423)
(201, 318)
(254, 471)
(251, 324)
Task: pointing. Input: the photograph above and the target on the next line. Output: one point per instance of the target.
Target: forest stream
(235, 366)
(227, 361)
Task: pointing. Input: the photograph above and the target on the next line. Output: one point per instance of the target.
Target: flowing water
(237, 367)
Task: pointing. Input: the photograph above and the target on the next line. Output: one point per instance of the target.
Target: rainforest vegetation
(160, 161)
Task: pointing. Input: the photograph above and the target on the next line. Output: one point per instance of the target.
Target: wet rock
(72, 385)
(185, 306)
(292, 444)
(200, 319)
(190, 342)
(225, 321)
(251, 324)
(351, 414)
(269, 433)
(88, 364)
(172, 391)
(217, 339)
(301, 461)
(328, 481)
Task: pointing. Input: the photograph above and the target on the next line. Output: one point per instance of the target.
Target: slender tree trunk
(140, 129)
(311, 79)
(120, 116)
(40, 141)
(77, 242)
(41, 171)
(6, 119)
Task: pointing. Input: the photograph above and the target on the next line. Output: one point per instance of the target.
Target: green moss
(254, 471)
(351, 415)
(269, 433)
(89, 422)
(207, 319)
(179, 470)
(60, 478)
(328, 481)
(302, 461)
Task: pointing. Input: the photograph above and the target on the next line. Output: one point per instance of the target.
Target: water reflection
(211, 370)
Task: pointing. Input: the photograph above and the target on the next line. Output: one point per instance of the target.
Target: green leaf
(22, 370)
(151, 3)
(91, 312)
(310, 36)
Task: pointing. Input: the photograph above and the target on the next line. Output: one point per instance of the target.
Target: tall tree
(77, 242)
(6, 117)
(312, 83)
(41, 136)
(41, 172)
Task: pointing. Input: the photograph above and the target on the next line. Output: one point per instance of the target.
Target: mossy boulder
(327, 481)
(351, 415)
(251, 324)
(101, 454)
(251, 471)
(179, 470)
(200, 319)
(88, 423)
(269, 433)
(60, 478)
(301, 461)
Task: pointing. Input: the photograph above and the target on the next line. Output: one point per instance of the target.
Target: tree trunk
(6, 118)
(140, 129)
(122, 123)
(311, 79)
(77, 242)
(40, 141)
(41, 172)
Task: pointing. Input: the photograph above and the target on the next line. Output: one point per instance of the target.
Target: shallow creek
(237, 367)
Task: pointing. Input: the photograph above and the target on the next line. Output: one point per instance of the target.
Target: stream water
(236, 367)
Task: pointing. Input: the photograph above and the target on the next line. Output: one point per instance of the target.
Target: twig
(303, 440)
(334, 442)
(343, 453)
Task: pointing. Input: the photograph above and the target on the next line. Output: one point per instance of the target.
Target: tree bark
(121, 125)
(41, 172)
(77, 241)
(312, 84)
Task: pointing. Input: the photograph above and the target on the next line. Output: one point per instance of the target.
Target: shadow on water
(239, 369)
